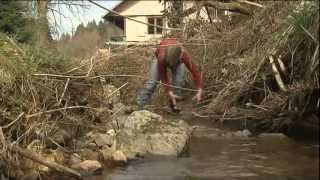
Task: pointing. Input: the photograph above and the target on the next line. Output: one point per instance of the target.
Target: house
(146, 11)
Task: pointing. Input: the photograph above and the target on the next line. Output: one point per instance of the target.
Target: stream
(214, 154)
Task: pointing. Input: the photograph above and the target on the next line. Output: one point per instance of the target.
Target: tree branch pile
(44, 114)
(266, 64)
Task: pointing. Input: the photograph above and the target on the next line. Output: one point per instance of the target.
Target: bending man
(171, 55)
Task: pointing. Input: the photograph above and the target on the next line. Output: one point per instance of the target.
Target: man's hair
(172, 55)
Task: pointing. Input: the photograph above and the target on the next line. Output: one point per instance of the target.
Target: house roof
(119, 7)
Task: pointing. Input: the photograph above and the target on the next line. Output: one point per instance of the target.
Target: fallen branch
(250, 3)
(232, 6)
(111, 94)
(277, 75)
(35, 157)
(64, 91)
(59, 109)
(282, 66)
(11, 123)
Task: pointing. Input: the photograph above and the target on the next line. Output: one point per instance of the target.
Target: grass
(21, 59)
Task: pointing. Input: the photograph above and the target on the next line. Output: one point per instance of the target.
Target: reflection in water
(214, 157)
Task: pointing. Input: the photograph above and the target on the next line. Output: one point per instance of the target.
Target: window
(156, 21)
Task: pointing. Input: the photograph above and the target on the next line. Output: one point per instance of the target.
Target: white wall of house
(141, 10)
(138, 32)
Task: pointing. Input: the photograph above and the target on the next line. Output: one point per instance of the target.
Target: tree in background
(15, 21)
(84, 43)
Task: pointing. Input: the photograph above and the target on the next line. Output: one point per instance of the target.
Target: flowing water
(215, 155)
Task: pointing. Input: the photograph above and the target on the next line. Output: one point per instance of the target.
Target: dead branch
(11, 123)
(230, 6)
(64, 91)
(282, 66)
(277, 75)
(59, 109)
(250, 3)
(117, 89)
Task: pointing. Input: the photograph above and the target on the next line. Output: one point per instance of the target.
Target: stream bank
(218, 152)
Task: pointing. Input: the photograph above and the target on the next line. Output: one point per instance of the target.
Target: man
(171, 55)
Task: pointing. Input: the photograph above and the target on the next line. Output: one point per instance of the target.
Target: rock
(138, 119)
(87, 166)
(102, 114)
(59, 156)
(60, 137)
(111, 132)
(79, 144)
(272, 135)
(244, 133)
(119, 109)
(89, 154)
(74, 159)
(47, 157)
(36, 145)
(119, 157)
(100, 139)
(144, 132)
(30, 175)
(107, 153)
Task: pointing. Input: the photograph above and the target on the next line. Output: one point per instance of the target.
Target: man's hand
(173, 98)
(198, 96)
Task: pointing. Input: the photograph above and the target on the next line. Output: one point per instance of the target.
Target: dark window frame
(155, 20)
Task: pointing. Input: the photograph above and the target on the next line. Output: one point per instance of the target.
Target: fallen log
(35, 157)
(230, 6)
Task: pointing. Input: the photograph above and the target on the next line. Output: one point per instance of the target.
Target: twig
(11, 123)
(113, 75)
(277, 75)
(59, 109)
(91, 66)
(250, 3)
(282, 66)
(111, 94)
(58, 145)
(64, 91)
(2, 141)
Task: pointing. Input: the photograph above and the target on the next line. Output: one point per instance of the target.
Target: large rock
(144, 133)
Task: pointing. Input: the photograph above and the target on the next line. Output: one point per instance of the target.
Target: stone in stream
(272, 135)
(144, 132)
(87, 167)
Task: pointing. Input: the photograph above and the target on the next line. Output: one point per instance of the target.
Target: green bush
(21, 59)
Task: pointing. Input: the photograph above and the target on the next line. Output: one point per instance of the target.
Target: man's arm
(196, 75)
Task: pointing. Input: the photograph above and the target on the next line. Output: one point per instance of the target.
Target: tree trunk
(42, 35)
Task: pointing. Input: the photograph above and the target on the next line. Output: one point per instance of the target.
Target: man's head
(172, 55)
